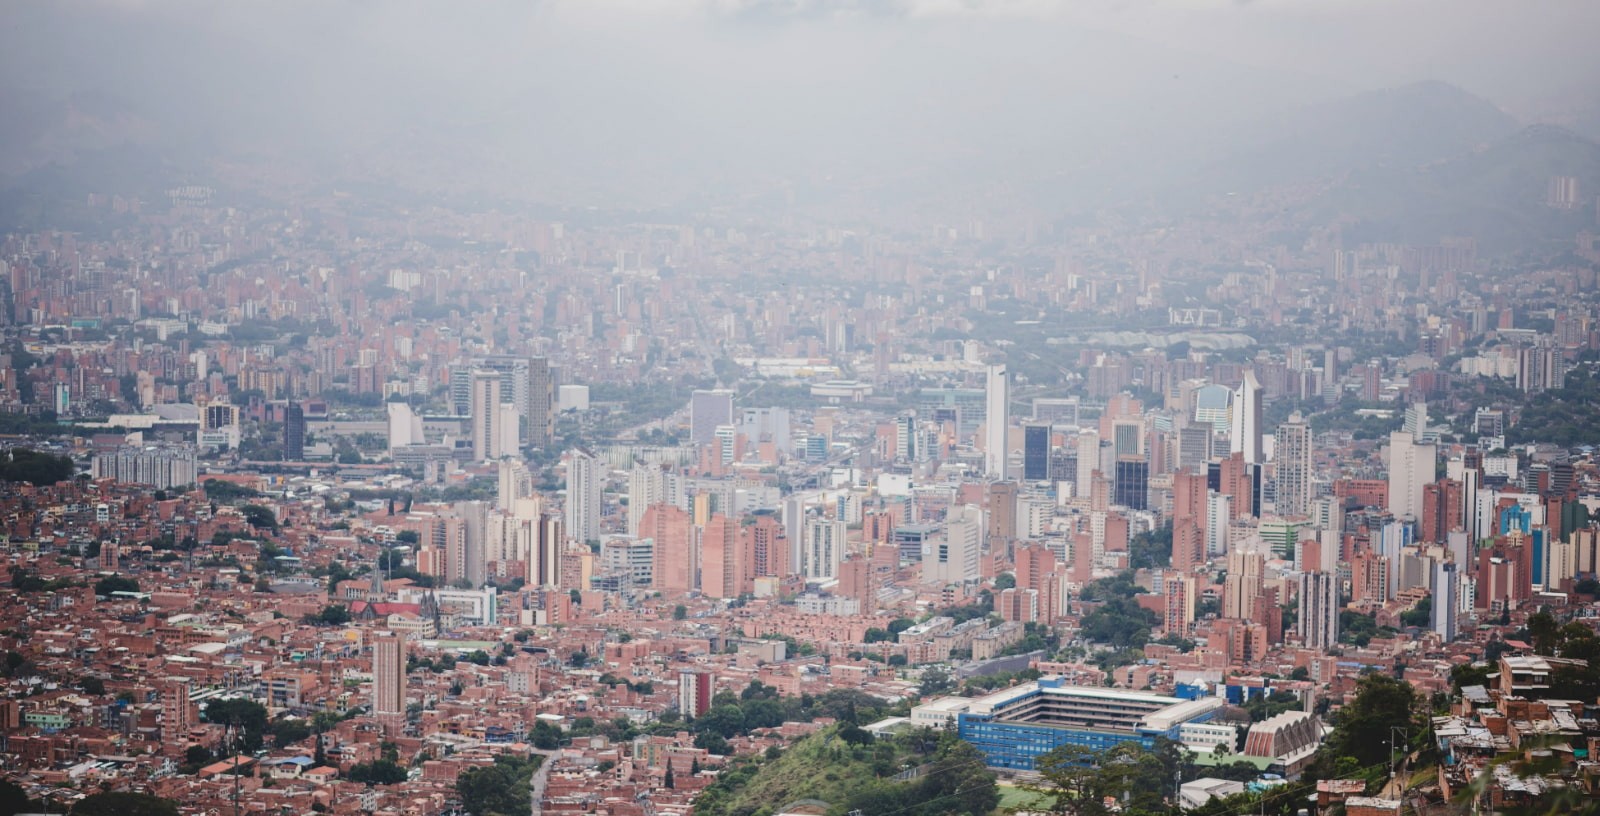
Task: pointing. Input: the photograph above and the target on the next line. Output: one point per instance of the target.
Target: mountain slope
(1496, 195)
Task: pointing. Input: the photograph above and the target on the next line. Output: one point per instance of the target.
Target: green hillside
(845, 769)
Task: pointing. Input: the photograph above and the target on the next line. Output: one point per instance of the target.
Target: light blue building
(1015, 726)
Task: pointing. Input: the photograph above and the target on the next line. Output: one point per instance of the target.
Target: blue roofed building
(1014, 726)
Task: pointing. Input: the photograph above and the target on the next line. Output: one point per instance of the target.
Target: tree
(331, 615)
(248, 716)
(260, 517)
(500, 789)
(14, 800)
(35, 468)
(680, 612)
(124, 804)
(378, 772)
(1361, 730)
(115, 583)
(1004, 581)
(93, 686)
(935, 681)
(668, 781)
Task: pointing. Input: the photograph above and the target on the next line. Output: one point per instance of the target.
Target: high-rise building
(669, 527)
(822, 549)
(514, 481)
(1319, 610)
(694, 692)
(178, 712)
(707, 410)
(1003, 510)
(1036, 452)
(996, 422)
(541, 402)
(720, 565)
(1444, 587)
(648, 485)
(294, 433)
(1179, 589)
(583, 495)
(1411, 467)
(486, 417)
(389, 676)
(1131, 484)
(1246, 418)
(954, 558)
(1292, 456)
(767, 549)
(159, 466)
(1246, 569)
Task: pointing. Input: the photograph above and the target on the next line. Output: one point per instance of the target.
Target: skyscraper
(707, 410)
(1036, 452)
(1245, 420)
(720, 566)
(1292, 452)
(1411, 468)
(648, 485)
(583, 495)
(486, 399)
(997, 418)
(1444, 587)
(954, 558)
(294, 433)
(668, 526)
(514, 482)
(389, 676)
(822, 549)
(1319, 609)
(541, 402)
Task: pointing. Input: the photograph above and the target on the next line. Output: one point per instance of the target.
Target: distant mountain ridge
(1496, 195)
(1399, 127)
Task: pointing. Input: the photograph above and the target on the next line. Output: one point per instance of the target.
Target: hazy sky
(591, 96)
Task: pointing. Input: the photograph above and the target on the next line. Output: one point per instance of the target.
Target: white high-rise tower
(997, 418)
(583, 495)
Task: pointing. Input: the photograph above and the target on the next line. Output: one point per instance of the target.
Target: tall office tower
(1411, 468)
(1036, 452)
(552, 553)
(767, 550)
(1416, 422)
(720, 566)
(822, 549)
(1444, 586)
(1088, 462)
(1190, 518)
(389, 676)
(694, 692)
(997, 420)
(508, 425)
(541, 402)
(1131, 483)
(1003, 511)
(486, 399)
(954, 558)
(1194, 447)
(1179, 589)
(515, 481)
(707, 410)
(1319, 610)
(294, 433)
(583, 495)
(470, 559)
(648, 485)
(405, 427)
(669, 527)
(461, 390)
(1245, 418)
(1292, 452)
(1219, 516)
(178, 712)
(1127, 437)
(905, 438)
(1246, 569)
